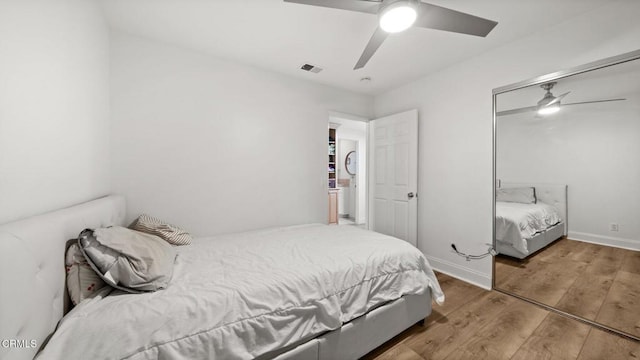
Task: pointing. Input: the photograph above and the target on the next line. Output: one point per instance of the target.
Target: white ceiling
(278, 36)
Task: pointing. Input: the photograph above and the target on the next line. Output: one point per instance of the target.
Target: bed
(354, 310)
(524, 227)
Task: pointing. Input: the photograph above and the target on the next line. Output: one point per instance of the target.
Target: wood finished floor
(595, 282)
(478, 324)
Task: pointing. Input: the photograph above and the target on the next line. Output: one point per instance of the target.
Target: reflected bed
(524, 228)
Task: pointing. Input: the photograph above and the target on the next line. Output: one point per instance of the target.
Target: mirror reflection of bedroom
(568, 195)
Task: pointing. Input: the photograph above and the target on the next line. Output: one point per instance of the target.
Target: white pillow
(82, 281)
(154, 226)
(524, 195)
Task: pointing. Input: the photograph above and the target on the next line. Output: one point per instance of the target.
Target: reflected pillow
(524, 195)
(128, 260)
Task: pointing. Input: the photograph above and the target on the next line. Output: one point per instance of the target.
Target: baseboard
(460, 272)
(605, 240)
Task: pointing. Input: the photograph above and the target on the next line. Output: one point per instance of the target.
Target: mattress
(238, 296)
(517, 222)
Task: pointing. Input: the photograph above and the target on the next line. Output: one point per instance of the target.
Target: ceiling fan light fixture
(549, 104)
(547, 99)
(398, 16)
(548, 110)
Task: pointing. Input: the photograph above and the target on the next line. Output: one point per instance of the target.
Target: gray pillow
(127, 259)
(524, 195)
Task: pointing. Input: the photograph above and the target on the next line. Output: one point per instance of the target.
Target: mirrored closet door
(567, 174)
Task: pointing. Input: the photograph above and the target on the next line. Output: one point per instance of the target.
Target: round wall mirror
(351, 162)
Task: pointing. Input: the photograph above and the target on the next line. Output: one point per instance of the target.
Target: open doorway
(350, 169)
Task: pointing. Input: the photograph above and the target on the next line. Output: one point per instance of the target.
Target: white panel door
(393, 180)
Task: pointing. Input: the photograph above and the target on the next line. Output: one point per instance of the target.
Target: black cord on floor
(490, 252)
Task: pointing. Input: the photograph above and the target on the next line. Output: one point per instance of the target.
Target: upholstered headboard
(552, 194)
(32, 271)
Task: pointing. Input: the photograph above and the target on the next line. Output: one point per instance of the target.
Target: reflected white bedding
(516, 222)
(241, 295)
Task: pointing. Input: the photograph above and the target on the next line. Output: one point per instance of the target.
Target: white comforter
(516, 222)
(242, 295)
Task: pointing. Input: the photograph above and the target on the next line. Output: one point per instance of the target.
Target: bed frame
(552, 194)
(33, 294)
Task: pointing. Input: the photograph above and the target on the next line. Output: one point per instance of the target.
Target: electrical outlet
(613, 227)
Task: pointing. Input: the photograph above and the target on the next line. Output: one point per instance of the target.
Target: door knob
(410, 195)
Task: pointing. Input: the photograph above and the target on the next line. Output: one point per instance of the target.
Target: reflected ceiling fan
(549, 103)
(398, 15)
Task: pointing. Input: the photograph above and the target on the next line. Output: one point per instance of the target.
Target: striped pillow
(171, 233)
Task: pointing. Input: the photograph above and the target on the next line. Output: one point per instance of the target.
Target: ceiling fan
(549, 103)
(398, 15)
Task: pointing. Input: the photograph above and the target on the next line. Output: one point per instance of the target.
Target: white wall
(593, 148)
(455, 154)
(54, 105)
(215, 146)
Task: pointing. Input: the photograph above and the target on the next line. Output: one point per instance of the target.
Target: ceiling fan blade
(376, 40)
(535, 108)
(365, 6)
(517, 111)
(593, 101)
(440, 18)
(557, 99)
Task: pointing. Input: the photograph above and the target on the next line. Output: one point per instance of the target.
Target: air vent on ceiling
(311, 68)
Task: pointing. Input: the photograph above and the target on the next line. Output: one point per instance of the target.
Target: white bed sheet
(517, 222)
(241, 295)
